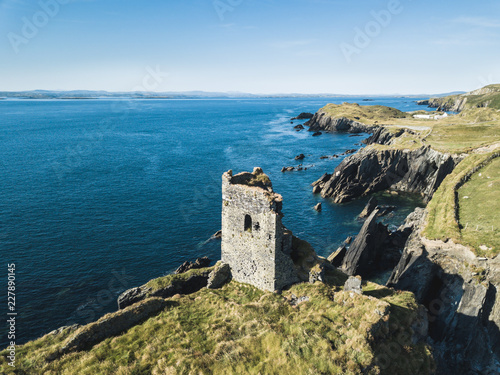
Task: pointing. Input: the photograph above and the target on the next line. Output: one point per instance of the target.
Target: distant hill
(89, 94)
(488, 96)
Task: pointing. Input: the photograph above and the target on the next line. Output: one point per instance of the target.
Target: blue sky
(258, 46)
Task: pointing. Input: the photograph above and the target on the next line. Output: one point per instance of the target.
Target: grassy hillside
(479, 210)
(465, 207)
(368, 115)
(242, 330)
(471, 129)
(488, 96)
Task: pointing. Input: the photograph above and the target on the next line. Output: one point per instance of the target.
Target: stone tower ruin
(255, 243)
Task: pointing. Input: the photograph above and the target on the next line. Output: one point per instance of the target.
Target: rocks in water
(318, 207)
(371, 170)
(348, 240)
(355, 135)
(376, 249)
(299, 167)
(322, 179)
(370, 206)
(217, 235)
(198, 263)
(365, 255)
(384, 210)
(337, 257)
(220, 275)
(329, 157)
(353, 284)
(351, 151)
(323, 121)
(304, 116)
(422, 102)
(300, 157)
(317, 134)
(298, 127)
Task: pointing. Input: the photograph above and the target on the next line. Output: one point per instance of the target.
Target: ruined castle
(255, 243)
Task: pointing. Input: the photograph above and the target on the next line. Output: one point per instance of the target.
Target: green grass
(165, 281)
(443, 218)
(260, 180)
(488, 96)
(465, 132)
(241, 330)
(368, 115)
(479, 213)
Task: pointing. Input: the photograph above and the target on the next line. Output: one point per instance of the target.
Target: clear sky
(257, 46)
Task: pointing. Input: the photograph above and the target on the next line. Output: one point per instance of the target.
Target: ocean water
(98, 196)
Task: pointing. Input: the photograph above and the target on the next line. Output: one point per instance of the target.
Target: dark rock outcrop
(178, 285)
(337, 257)
(220, 275)
(304, 116)
(459, 291)
(318, 207)
(370, 170)
(300, 157)
(322, 180)
(217, 235)
(317, 134)
(298, 127)
(365, 255)
(375, 249)
(323, 121)
(198, 263)
(382, 136)
(370, 206)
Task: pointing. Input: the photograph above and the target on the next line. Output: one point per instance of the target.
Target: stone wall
(254, 242)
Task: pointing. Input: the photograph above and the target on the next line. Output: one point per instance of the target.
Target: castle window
(248, 223)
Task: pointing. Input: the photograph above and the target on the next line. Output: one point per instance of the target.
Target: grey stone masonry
(255, 243)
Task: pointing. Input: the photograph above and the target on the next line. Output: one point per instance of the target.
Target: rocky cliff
(323, 121)
(372, 169)
(459, 291)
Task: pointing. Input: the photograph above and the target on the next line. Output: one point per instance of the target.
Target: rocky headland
(456, 282)
(488, 96)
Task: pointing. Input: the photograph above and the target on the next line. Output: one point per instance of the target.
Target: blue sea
(98, 196)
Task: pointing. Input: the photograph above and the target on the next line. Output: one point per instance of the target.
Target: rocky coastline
(457, 288)
(460, 307)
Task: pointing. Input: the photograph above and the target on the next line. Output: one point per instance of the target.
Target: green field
(479, 210)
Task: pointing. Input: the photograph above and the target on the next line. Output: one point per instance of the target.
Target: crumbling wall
(254, 242)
